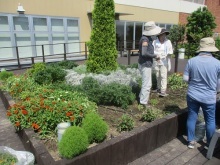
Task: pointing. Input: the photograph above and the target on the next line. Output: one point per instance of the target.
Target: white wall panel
(168, 5)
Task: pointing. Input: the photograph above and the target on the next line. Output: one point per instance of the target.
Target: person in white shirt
(162, 48)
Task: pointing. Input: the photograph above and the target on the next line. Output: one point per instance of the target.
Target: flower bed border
(120, 150)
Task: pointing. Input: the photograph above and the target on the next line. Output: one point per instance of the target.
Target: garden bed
(118, 148)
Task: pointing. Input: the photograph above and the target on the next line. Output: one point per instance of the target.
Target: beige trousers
(161, 75)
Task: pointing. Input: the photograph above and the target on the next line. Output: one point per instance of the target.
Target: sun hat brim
(208, 49)
(152, 32)
(166, 32)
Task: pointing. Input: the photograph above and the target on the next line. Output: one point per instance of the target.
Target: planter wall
(119, 150)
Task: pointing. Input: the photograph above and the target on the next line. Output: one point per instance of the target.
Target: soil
(174, 102)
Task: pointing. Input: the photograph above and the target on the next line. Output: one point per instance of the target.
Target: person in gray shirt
(145, 61)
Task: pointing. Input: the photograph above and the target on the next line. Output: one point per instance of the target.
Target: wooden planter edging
(120, 150)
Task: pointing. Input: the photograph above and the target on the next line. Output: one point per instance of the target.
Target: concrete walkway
(8, 135)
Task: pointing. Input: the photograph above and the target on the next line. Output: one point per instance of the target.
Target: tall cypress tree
(102, 44)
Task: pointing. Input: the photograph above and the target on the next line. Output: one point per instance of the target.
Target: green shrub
(92, 89)
(95, 127)
(116, 94)
(126, 123)
(49, 75)
(175, 81)
(151, 114)
(42, 77)
(36, 68)
(74, 142)
(80, 69)
(4, 75)
(65, 64)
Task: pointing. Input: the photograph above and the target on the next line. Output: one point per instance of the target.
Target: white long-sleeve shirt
(162, 49)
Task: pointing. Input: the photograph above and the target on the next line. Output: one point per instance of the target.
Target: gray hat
(207, 45)
(151, 29)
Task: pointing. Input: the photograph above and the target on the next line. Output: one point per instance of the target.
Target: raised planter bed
(119, 150)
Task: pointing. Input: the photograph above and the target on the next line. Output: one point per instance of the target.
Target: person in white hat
(202, 74)
(145, 61)
(163, 48)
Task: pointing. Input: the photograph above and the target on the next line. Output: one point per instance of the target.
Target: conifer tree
(102, 44)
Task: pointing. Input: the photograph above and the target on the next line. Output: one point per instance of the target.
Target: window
(5, 41)
(21, 23)
(58, 40)
(24, 39)
(40, 24)
(4, 26)
(42, 39)
(72, 26)
(73, 47)
(57, 25)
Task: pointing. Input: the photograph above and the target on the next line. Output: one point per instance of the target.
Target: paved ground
(174, 152)
(8, 137)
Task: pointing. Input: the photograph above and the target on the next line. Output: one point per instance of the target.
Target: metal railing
(64, 55)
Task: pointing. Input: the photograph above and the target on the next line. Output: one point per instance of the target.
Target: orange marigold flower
(33, 124)
(17, 124)
(24, 112)
(69, 114)
(8, 113)
(16, 111)
(22, 107)
(72, 118)
(36, 126)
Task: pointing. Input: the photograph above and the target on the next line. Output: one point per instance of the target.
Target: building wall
(183, 18)
(214, 8)
(71, 8)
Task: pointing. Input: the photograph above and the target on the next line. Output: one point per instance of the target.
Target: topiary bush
(95, 127)
(102, 45)
(74, 142)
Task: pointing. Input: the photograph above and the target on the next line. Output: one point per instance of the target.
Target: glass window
(40, 24)
(42, 39)
(129, 34)
(24, 39)
(138, 33)
(21, 23)
(58, 40)
(119, 32)
(5, 41)
(73, 47)
(162, 25)
(4, 26)
(57, 25)
(168, 27)
(72, 26)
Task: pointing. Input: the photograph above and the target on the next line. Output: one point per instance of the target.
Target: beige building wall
(146, 14)
(81, 8)
(58, 8)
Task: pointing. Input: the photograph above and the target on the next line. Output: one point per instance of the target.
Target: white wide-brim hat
(151, 29)
(207, 45)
